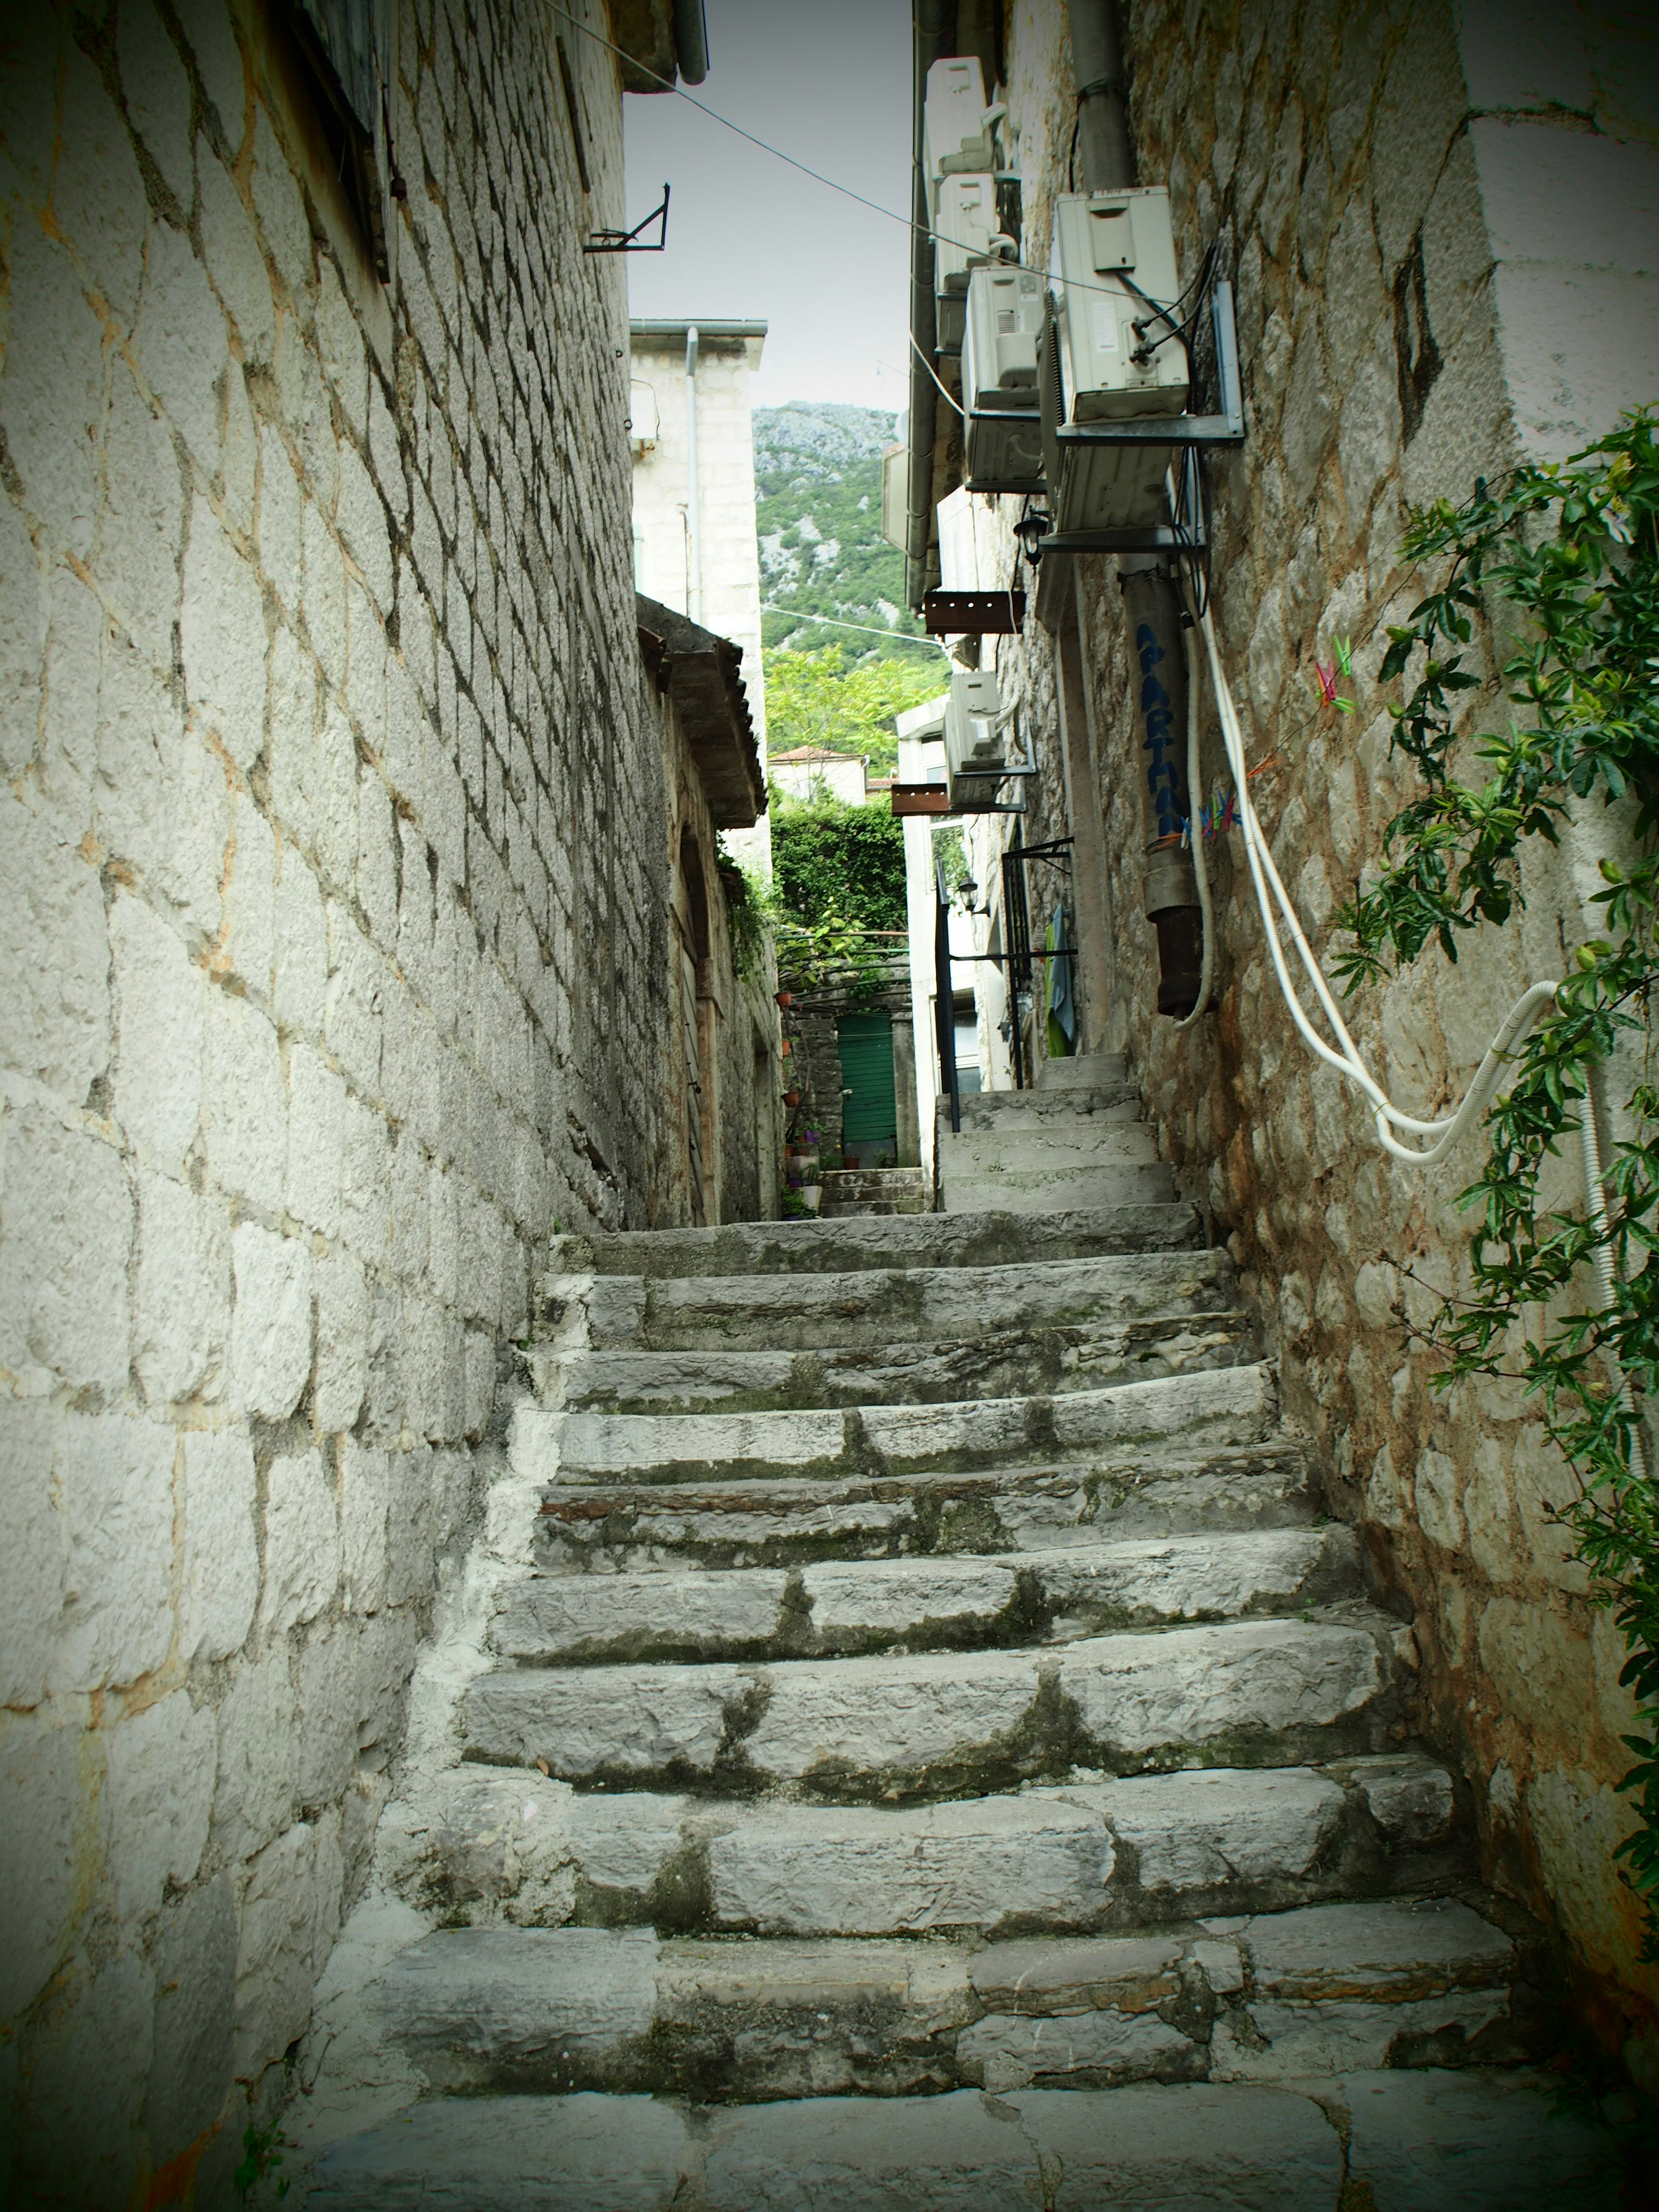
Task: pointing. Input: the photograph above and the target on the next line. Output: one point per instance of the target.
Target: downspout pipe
(1151, 605)
(693, 504)
(928, 35)
(690, 41)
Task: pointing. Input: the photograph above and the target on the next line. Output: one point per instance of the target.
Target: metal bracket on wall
(627, 241)
(1185, 436)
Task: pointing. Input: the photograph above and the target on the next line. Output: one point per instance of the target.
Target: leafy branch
(1574, 549)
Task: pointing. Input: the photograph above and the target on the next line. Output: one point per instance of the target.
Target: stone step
(924, 1240)
(1001, 1365)
(874, 1190)
(1009, 1109)
(839, 1608)
(875, 1309)
(989, 1188)
(1031, 1508)
(1082, 1070)
(1073, 1140)
(1430, 2140)
(1207, 1408)
(957, 1723)
(1075, 1857)
(1320, 1990)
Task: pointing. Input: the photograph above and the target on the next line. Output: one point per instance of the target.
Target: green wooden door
(870, 1116)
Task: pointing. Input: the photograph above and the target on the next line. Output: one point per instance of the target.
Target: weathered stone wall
(331, 866)
(1493, 172)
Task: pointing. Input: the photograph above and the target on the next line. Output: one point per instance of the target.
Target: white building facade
(695, 549)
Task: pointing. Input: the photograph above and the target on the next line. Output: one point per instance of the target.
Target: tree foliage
(813, 699)
(831, 859)
(1575, 550)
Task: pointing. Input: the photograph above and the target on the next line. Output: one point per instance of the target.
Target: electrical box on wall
(975, 741)
(958, 129)
(1109, 249)
(1003, 433)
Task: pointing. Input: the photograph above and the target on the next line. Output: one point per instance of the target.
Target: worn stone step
(726, 2020)
(877, 1308)
(1211, 1407)
(1081, 1070)
(1156, 1490)
(1076, 1856)
(987, 1188)
(874, 1190)
(1011, 1109)
(999, 1364)
(922, 1240)
(846, 1607)
(955, 1723)
(1073, 1140)
(984, 1185)
(1433, 2141)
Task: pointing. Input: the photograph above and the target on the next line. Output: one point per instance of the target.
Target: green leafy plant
(1574, 549)
(814, 699)
(829, 859)
(753, 911)
(262, 2153)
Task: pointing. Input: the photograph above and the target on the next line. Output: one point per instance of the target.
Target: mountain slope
(818, 487)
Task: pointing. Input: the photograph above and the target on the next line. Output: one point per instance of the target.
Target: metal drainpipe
(927, 31)
(1106, 162)
(694, 583)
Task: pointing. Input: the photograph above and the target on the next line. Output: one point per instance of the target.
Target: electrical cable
(933, 373)
(868, 629)
(1447, 1129)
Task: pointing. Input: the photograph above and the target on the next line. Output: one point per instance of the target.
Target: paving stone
(1475, 2142)
(954, 2153)
(1192, 2148)
(513, 2154)
(1006, 2052)
(1296, 2042)
(1197, 1830)
(1409, 1798)
(1394, 1950)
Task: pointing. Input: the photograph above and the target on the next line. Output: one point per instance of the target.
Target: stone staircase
(909, 1737)
(874, 1190)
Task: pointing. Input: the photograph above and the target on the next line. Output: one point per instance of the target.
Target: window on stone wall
(348, 48)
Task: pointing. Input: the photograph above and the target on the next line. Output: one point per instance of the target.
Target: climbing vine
(1575, 551)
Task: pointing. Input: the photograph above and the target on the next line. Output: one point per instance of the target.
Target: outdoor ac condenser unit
(976, 743)
(1003, 433)
(1111, 248)
(958, 131)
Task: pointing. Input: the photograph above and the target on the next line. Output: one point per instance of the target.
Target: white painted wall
(729, 603)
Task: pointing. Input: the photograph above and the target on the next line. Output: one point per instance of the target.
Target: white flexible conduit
(1195, 804)
(1345, 1056)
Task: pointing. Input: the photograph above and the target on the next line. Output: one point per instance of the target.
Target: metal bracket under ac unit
(1183, 435)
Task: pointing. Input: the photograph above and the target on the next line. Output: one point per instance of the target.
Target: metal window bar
(1016, 934)
(945, 1006)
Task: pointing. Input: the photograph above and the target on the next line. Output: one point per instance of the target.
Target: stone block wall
(1440, 223)
(330, 854)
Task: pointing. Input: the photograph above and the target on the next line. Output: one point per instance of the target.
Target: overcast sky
(747, 235)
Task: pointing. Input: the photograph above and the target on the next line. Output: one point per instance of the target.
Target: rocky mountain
(818, 487)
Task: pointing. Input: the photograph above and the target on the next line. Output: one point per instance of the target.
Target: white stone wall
(330, 848)
(1502, 158)
(729, 555)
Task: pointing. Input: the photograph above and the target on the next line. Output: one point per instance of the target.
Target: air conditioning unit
(975, 741)
(895, 495)
(958, 129)
(966, 238)
(1110, 357)
(1003, 435)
